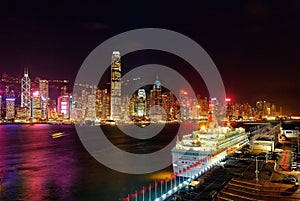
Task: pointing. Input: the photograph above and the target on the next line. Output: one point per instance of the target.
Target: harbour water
(34, 166)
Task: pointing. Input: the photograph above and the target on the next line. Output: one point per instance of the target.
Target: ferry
(205, 146)
(57, 135)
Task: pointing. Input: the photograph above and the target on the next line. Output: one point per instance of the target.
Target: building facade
(141, 106)
(44, 92)
(10, 108)
(36, 109)
(25, 93)
(116, 86)
(63, 107)
(156, 111)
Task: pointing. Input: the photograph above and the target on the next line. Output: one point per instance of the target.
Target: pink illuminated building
(63, 106)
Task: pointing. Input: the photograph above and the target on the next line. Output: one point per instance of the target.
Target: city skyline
(253, 43)
(104, 84)
(143, 100)
(92, 104)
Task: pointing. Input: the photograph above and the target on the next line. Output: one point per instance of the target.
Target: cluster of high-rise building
(93, 104)
(25, 100)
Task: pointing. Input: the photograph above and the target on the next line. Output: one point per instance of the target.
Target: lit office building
(126, 108)
(20, 114)
(141, 103)
(115, 86)
(52, 111)
(44, 92)
(25, 93)
(228, 107)
(194, 109)
(10, 108)
(102, 104)
(36, 111)
(63, 106)
(76, 114)
(213, 105)
(132, 107)
(156, 112)
(184, 105)
(90, 114)
(168, 103)
(72, 106)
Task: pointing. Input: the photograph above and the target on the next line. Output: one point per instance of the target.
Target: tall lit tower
(115, 106)
(10, 108)
(25, 93)
(156, 113)
(36, 106)
(44, 92)
(141, 103)
(63, 106)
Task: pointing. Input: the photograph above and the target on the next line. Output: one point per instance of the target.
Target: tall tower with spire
(155, 111)
(25, 93)
(115, 109)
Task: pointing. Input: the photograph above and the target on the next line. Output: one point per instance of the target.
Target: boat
(57, 135)
(206, 146)
(110, 122)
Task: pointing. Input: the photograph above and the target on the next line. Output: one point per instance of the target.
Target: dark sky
(254, 44)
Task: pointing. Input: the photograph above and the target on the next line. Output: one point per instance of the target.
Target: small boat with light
(57, 135)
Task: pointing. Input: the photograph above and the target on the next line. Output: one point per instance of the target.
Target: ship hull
(188, 162)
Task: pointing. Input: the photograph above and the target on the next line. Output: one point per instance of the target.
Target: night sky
(254, 44)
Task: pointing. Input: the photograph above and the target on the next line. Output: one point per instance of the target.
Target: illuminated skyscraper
(184, 105)
(168, 104)
(115, 103)
(10, 108)
(36, 112)
(155, 94)
(25, 93)
(156, 111)
(44, 92)
(63, 106)
(10, 105)
(90, 114)
(141, 103)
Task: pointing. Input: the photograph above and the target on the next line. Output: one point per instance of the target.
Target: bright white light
(170, 192)
(36, 93)
(157, 199)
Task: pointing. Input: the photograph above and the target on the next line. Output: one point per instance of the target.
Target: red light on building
(172, 109)
(227, 99)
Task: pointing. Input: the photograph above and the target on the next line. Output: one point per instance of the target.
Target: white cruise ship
(206, 146)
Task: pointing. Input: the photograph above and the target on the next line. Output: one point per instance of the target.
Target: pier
(163, 189)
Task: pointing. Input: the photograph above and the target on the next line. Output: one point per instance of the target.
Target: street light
(256, 168)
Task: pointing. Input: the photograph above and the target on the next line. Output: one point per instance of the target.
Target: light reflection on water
(33, 166)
